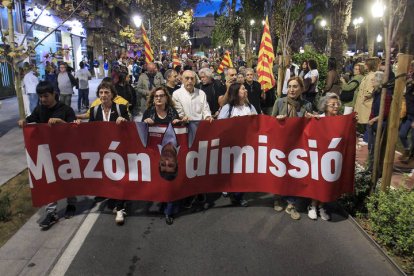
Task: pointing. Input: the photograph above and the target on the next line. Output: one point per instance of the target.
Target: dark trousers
(83, 98)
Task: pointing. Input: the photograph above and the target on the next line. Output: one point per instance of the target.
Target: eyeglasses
(189, 78)
(159, 96)
(334, 105)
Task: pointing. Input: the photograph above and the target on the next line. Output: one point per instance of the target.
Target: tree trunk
(394, 121)
(17, 78)
(340, 20)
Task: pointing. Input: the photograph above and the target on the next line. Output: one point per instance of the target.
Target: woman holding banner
(329, 105)
(237, 105)
(288, 107)
(109, 111)
(161, 111)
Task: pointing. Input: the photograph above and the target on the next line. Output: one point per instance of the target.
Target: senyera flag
(298, 157)
(265, 60)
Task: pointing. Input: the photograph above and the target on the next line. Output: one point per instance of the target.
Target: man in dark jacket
(51, 112)
(254, 91)
(212, 88)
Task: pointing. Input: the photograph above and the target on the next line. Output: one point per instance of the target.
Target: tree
(15, 53)
(284, 17)
(340, 20)
(393, 17)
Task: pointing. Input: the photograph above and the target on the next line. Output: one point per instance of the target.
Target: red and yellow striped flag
(265, 61)
(175, 60)
(226, 62)
(149, 54)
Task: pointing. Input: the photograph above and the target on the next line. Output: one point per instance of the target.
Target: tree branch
(60, 25)
(33, 23)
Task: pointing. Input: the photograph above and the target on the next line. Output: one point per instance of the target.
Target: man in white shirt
(83, 75)
(30, 82)
(190, 102)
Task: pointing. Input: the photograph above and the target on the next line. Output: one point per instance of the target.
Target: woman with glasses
(329, 105)
(161, 111)
(160, 108)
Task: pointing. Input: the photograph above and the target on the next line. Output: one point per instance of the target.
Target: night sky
(204, 8)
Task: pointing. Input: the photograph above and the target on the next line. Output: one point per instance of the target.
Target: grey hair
(248, 70)
(168, 73)
(206, 71)
(378, 76)
(324, 100)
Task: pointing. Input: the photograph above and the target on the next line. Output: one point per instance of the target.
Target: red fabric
(66, 143)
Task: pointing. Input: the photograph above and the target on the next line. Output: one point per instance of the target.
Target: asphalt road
(226, 240)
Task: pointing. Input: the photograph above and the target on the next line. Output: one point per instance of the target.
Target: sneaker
(120, 217)
(243, 203)
(291, 210)
(169, 219)
(50, 219)
(324, 214)
(70, 211)
(312, 213)
(225, 194)
(278, 205)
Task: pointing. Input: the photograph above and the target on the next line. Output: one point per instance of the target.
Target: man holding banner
(52, 112)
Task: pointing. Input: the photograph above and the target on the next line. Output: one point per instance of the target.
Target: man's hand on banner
(53, 121)
(22, 123)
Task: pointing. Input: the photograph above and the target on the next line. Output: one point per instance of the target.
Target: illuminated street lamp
(137, 20)
(378, 9)
(164, 38)
(180, 13)
(324, 25)
(379, 38)
(357, 23)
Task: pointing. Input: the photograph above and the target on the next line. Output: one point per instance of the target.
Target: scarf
(290, 107)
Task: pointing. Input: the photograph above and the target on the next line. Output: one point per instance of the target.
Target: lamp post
(249, 45)
(325, 26)
(379, 40)
(357, 23)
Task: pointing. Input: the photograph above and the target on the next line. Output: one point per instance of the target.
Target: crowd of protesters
(194, 91)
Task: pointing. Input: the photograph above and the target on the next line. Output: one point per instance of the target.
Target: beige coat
(364, 98)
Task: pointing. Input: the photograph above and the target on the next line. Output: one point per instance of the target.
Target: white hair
(206, 71)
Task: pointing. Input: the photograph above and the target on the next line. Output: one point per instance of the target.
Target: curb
(375, 244)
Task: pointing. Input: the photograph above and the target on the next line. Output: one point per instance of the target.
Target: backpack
(348, 96)
(95, 110)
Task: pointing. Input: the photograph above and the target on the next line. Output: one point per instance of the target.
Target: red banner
(298, 157)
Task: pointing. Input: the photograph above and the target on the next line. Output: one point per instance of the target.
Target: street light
(379, 38)
(180, 13)
(378, 9)
(137, 20)
(164, 38)
(263, 22)
(323, 23)
(357, 23)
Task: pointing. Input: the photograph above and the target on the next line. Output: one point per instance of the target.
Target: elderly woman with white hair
(374, 116)
(329, 105)
(212, 88)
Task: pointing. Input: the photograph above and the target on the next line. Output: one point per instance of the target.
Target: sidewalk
(402, 176)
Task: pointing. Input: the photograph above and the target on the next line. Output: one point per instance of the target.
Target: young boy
(51, 112)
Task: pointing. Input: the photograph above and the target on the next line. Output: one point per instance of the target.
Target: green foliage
(5, 204)
(223, 31)
(321, 59)
(355, 203)
(392, 220)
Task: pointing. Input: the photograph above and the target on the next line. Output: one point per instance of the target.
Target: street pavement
(224, 239)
